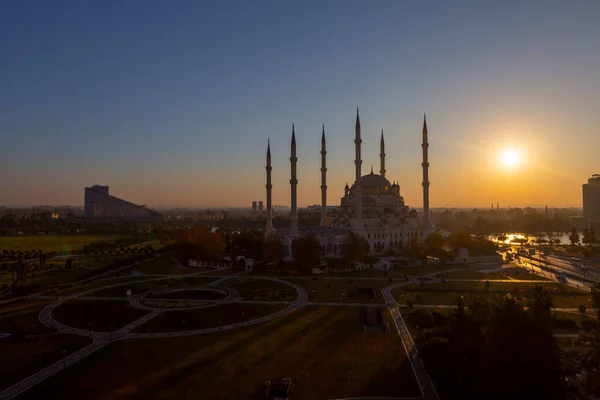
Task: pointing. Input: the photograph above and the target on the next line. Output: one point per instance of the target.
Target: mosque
(372, 207)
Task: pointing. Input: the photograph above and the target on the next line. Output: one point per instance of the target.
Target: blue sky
(171, 103)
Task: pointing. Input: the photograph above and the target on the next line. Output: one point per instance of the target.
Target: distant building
(254, 206)
(100, 204)
(591, 199)
(261, 206)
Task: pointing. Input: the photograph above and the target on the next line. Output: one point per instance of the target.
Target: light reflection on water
(532, 239)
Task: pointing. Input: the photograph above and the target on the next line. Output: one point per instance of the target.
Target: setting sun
(510, 158)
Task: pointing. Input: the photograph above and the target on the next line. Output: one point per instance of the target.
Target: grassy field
(577, 317)
(22, 357)
(522, 273)
(362, 274)
(224, 314)
(22, 317)
(54, 271)
(163, 266)
(103, 315)
(66, 243)
(324, 350)
(447, 293)
(97, 284)
(142, 287)
(341, 290)
(426, 270)
(262, 289)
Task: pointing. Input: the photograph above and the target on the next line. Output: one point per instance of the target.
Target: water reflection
(516, 238)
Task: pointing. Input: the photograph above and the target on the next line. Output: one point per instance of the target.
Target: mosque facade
(372, 207)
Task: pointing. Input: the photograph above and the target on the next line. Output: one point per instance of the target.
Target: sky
(172, 103)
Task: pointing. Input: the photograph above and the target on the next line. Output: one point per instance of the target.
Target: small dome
(374, 181)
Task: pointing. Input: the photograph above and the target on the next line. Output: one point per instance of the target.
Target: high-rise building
(100, 204)
(254, 206)
(261, 206)
(591, 200)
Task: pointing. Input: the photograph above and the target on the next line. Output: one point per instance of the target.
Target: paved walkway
(426, 385)
(100, 339)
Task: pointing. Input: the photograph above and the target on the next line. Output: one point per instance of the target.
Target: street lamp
(183, 327)
(90, 328)
(64, 358)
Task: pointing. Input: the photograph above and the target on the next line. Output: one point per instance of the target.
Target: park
(199, 329)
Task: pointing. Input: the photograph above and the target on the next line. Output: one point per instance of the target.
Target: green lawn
(22, 317)
(446, 293)
(97, 284)
(142, 287)
(577, 317)
(262, 289)
(47, 276)
(341, 290)
(361, 274)
(426, 270)
(66, 243)
(324, 350)
(102, 314)
(522, 273)
(224, 314)
(22, 357)
(163, 266)
(472, 274)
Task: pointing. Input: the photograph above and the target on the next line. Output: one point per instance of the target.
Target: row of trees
(589, 236)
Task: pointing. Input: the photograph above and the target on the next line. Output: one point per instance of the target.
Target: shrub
(565, 323)
(589, 324)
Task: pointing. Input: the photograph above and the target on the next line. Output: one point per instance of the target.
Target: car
(278, 389)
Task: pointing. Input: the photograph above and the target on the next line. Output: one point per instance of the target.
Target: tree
(586, 239)
(354, 248)
(306, 250)
(459, 239)
(414, 247)
(434, 243)
(273, 249)
(592, 235)
(574, 237)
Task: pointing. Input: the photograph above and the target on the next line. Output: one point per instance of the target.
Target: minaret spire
(426, 224)
(269, 226)
(293, 183)
(324, 221)
(358, 163)
(382, 155)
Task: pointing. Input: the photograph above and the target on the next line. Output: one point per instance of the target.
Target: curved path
(100, 339)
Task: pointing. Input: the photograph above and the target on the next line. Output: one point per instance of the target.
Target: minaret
(358, 163)
(269, 227)
(382, 155)
(293, 183)
(426, 221)
(324, 221)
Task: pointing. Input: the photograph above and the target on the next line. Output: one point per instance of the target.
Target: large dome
(375, 181)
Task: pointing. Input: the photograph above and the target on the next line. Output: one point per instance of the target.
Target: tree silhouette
(574, 237)
(354, 248)
(306, 250)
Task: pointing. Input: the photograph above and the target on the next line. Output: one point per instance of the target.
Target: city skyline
(176, 108)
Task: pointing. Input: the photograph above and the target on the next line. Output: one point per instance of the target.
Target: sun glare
(510, 158)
